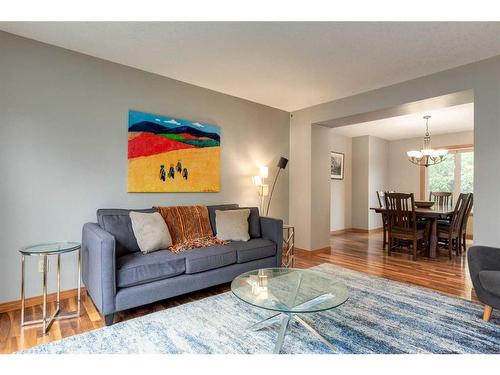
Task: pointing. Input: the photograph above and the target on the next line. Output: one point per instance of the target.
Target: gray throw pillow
(232, 225)
(150, 231)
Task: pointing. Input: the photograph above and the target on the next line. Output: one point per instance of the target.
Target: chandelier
(427, 155)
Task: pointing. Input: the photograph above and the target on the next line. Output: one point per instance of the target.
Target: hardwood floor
(358, 251)
(363, 252)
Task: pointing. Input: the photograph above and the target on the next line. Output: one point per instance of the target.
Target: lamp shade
(414, 154)
(264, 172)
(257, 180)
(282, 163)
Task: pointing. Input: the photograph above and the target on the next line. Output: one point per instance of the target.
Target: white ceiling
(283, 65)
(443, 121)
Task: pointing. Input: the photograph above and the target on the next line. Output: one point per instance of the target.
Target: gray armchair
(484, 268)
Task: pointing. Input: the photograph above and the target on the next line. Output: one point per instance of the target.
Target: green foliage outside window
(467, 172)
(442, 176)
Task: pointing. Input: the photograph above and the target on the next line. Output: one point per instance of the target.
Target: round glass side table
(44, 251)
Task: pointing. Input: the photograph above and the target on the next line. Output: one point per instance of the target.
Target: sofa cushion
(150, 231)
(117, 222)
(253, 222)
(490, 280)
(232, 225)
(256, 248)
(211, 212)
(138, 268)
(208, 258)
(253, 218)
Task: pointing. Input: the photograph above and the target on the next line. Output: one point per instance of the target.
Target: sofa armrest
(98, 266)
(272, 229)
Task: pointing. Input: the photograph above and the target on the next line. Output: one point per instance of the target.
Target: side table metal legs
(287, 259)
(47, 322)
(22, 290)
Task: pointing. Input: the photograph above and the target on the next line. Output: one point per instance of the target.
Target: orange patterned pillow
(189, 227)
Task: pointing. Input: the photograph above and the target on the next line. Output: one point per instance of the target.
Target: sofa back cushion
(253, 219)
(150, 231)
(232, 225)
(211, 213)
(117, 222)
(254, 222)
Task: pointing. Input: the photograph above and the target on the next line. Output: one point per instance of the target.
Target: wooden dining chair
(402, 221)
(463, 237)
(441, 198)
(450, 234)
(381, 202)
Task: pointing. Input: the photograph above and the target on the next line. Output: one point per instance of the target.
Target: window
(455, 174)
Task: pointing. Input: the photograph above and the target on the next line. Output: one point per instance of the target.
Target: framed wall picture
(336, 165)
(167, 154)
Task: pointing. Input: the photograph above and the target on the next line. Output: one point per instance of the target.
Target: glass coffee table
(289, 292)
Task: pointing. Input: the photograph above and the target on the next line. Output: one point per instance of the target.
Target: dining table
(431, 214)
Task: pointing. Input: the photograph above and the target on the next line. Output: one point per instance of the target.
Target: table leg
(293, 297)
(264, 323)
(314, 332)
(44, 288)
(281, 336)
(58, 281)
(22, 290)
(433, 239)
(79, 279)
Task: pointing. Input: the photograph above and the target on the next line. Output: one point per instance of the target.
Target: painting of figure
(167, 154)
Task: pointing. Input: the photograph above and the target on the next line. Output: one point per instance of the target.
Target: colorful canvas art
(167, 154)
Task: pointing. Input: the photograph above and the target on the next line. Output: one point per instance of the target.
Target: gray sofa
(118, 276)
(484, 268)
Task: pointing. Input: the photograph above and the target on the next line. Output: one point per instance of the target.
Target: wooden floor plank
(358, 251)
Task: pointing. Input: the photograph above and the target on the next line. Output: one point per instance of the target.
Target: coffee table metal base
(285, 319)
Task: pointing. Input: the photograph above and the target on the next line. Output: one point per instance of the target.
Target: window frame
(424, 176)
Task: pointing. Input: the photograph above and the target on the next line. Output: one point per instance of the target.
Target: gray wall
(378, 172)
(320, 166)
(360, 181)
(63, 146)
(482, 77)
(340, 190)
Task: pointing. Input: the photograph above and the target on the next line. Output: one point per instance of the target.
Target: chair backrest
(459, 212)
(381, 198)
(441, 198)
(401, 210)
(468, 210)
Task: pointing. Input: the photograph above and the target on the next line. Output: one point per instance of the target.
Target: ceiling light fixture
(427, 155)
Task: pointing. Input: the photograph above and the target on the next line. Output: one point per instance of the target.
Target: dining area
(424, 228)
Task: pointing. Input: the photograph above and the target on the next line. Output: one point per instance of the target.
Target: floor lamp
(260, 182)
(281, 165)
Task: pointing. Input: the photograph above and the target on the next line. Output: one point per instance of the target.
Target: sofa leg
(108, 319)
(487, 312)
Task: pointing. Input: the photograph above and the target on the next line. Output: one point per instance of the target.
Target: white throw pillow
(232, 225)
(150, 231)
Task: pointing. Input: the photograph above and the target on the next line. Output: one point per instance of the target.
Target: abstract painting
(336, 165)
(167, 154)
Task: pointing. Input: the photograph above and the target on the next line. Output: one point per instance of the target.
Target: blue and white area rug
(381, 316)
